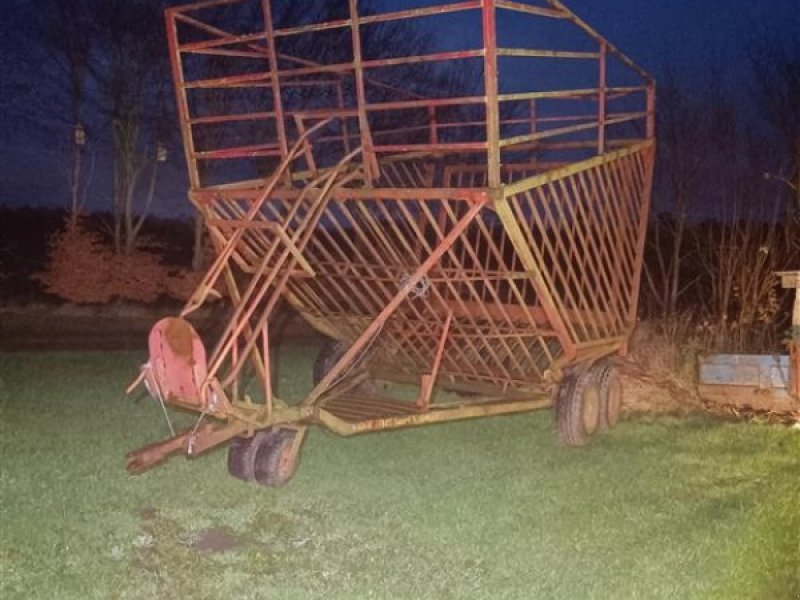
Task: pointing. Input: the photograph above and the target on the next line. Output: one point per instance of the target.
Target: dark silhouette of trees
(132, 74)
(66, 29)
(110, 63)
(685, 128)
(98, 71)
(720, 231)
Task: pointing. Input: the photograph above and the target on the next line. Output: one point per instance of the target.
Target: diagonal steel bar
(413, 279)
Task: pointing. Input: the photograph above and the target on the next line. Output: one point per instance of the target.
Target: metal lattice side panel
(365, 249)
(584, 226)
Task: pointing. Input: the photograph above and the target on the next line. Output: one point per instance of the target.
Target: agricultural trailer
(480, 240)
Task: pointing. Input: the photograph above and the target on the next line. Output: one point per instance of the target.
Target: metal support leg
(429, 379)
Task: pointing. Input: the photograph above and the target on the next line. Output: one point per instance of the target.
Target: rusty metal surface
(356, 407)
(380, 414)
(191, 442)
(483, 240)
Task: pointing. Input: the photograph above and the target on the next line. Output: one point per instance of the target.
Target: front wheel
(240, 458)
(269, 458)
(275, 457)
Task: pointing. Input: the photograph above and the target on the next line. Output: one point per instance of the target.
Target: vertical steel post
(345, 129)
(235, 361)
(792, 280)
(434, 137)
(489, 24)
(266, 379)
(651, 109)
(182, 101)
(532, 114)
(649, 160)
(601, 99)
(272, 58)
(361, 97)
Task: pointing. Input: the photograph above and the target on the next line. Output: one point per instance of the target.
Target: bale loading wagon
(465, 213)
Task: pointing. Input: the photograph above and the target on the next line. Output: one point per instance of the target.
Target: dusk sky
(688, 33)
(685, 34)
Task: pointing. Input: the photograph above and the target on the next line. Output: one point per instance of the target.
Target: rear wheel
(328, 356)
(578, 409)
(610, 387)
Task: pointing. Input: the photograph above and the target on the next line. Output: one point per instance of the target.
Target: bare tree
(132, 75)
(683, 125)
(740, 255)
(52, 50)
(70, 33)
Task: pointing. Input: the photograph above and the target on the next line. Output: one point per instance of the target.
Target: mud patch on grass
(171, 555)
(148, 513)
(214, 540)
(269, 548)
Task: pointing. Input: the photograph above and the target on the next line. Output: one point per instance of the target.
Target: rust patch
(179, 336)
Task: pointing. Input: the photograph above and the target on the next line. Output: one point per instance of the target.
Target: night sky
(685, 34)
(690, 33)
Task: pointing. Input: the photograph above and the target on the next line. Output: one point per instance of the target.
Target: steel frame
(485, 243)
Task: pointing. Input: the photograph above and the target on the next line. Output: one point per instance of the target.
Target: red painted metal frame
(473, 242)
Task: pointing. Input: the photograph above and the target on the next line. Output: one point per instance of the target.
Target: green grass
(658, 508)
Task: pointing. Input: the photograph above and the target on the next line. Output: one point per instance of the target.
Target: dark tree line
(97, 79)
(93, 80)
(93, 75)
(726, 209)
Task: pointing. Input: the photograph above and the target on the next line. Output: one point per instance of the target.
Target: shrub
(83, 269)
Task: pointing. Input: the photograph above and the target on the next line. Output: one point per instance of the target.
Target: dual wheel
(587, 402)
(269, 458)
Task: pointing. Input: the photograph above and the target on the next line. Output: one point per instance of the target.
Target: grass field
(658, 508)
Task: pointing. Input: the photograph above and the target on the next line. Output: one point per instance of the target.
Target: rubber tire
(273, 464)
(329, 355)
(610, 384)
(578, 409)
(240, 458)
